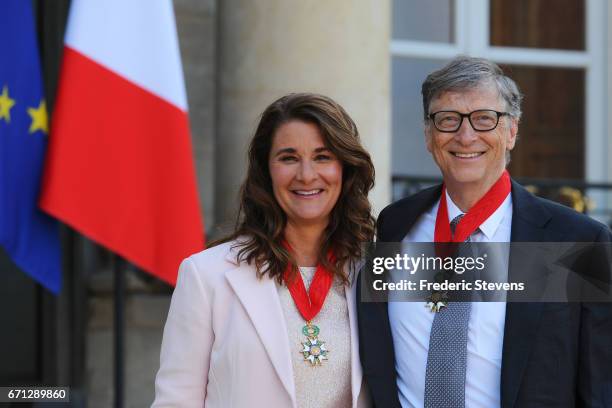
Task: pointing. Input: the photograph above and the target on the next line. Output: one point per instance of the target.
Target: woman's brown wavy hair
(261, 222)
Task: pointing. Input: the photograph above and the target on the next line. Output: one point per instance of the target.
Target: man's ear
(513, 131)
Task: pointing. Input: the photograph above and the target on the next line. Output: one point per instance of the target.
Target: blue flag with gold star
(29, 237)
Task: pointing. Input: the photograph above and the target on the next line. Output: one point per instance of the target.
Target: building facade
(369, 55)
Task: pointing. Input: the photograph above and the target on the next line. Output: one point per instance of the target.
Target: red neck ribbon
(309, 304)
(475, 215)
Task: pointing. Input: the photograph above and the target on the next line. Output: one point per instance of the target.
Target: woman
(242, 330)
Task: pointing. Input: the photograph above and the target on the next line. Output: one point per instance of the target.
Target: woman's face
(306, 175)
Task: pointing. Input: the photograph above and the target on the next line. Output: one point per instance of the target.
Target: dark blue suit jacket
(554, 354)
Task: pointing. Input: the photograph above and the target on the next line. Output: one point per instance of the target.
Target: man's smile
(467, 155)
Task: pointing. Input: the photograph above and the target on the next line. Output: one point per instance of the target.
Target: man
(483, 354)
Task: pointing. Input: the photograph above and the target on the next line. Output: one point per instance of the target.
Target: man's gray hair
(464, 73)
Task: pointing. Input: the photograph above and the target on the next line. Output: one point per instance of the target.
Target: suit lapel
(260, 300)
(408, 212)
(356, 372)
(529, 219)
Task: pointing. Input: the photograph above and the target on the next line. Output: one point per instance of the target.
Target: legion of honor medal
(313, 349)
(436, 301)
(309, 304)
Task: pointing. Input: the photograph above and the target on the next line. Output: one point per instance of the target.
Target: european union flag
(30, 237)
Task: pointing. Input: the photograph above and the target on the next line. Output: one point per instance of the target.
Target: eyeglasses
(483, 120)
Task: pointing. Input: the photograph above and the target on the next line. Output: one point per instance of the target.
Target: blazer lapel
(356, 371)
(260, 300)
(529, 219)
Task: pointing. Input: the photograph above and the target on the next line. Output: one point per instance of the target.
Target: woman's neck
(305, 242)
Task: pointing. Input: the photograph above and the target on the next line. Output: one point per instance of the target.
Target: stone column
(196, 26)
(268, 48)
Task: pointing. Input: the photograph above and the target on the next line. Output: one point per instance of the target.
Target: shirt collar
(490, 225)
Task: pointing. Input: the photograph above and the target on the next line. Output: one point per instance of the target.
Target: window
(554, 49)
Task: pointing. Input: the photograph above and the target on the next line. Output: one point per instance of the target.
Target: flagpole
(119, 276)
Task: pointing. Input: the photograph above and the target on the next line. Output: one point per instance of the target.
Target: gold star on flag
(39, 118)
(6, 103)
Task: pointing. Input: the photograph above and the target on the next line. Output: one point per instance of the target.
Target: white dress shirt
(411, 323)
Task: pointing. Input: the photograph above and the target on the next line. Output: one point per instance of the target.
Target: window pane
(430, 20)
(551, 132)
(409, 155)
(558, 24)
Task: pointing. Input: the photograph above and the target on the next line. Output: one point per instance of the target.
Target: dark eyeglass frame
(468, 116)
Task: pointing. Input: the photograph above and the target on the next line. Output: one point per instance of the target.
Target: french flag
(119, 166)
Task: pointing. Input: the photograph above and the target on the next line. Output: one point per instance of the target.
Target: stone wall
(145, 315)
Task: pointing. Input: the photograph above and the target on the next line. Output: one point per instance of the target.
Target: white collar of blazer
(260, 299)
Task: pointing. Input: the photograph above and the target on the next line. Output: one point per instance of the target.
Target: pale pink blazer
(225, 341)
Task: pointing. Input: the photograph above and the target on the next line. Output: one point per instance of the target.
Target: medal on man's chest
(436, 301)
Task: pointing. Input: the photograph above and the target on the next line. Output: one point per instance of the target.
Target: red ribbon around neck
(475, 216)
(309, 304)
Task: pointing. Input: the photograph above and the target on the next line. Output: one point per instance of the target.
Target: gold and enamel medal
(436, 301)
(314, 349)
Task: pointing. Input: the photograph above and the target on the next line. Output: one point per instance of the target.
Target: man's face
(468, 158)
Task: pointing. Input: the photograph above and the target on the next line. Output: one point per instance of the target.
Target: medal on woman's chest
(314, 349)
(309, 304)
